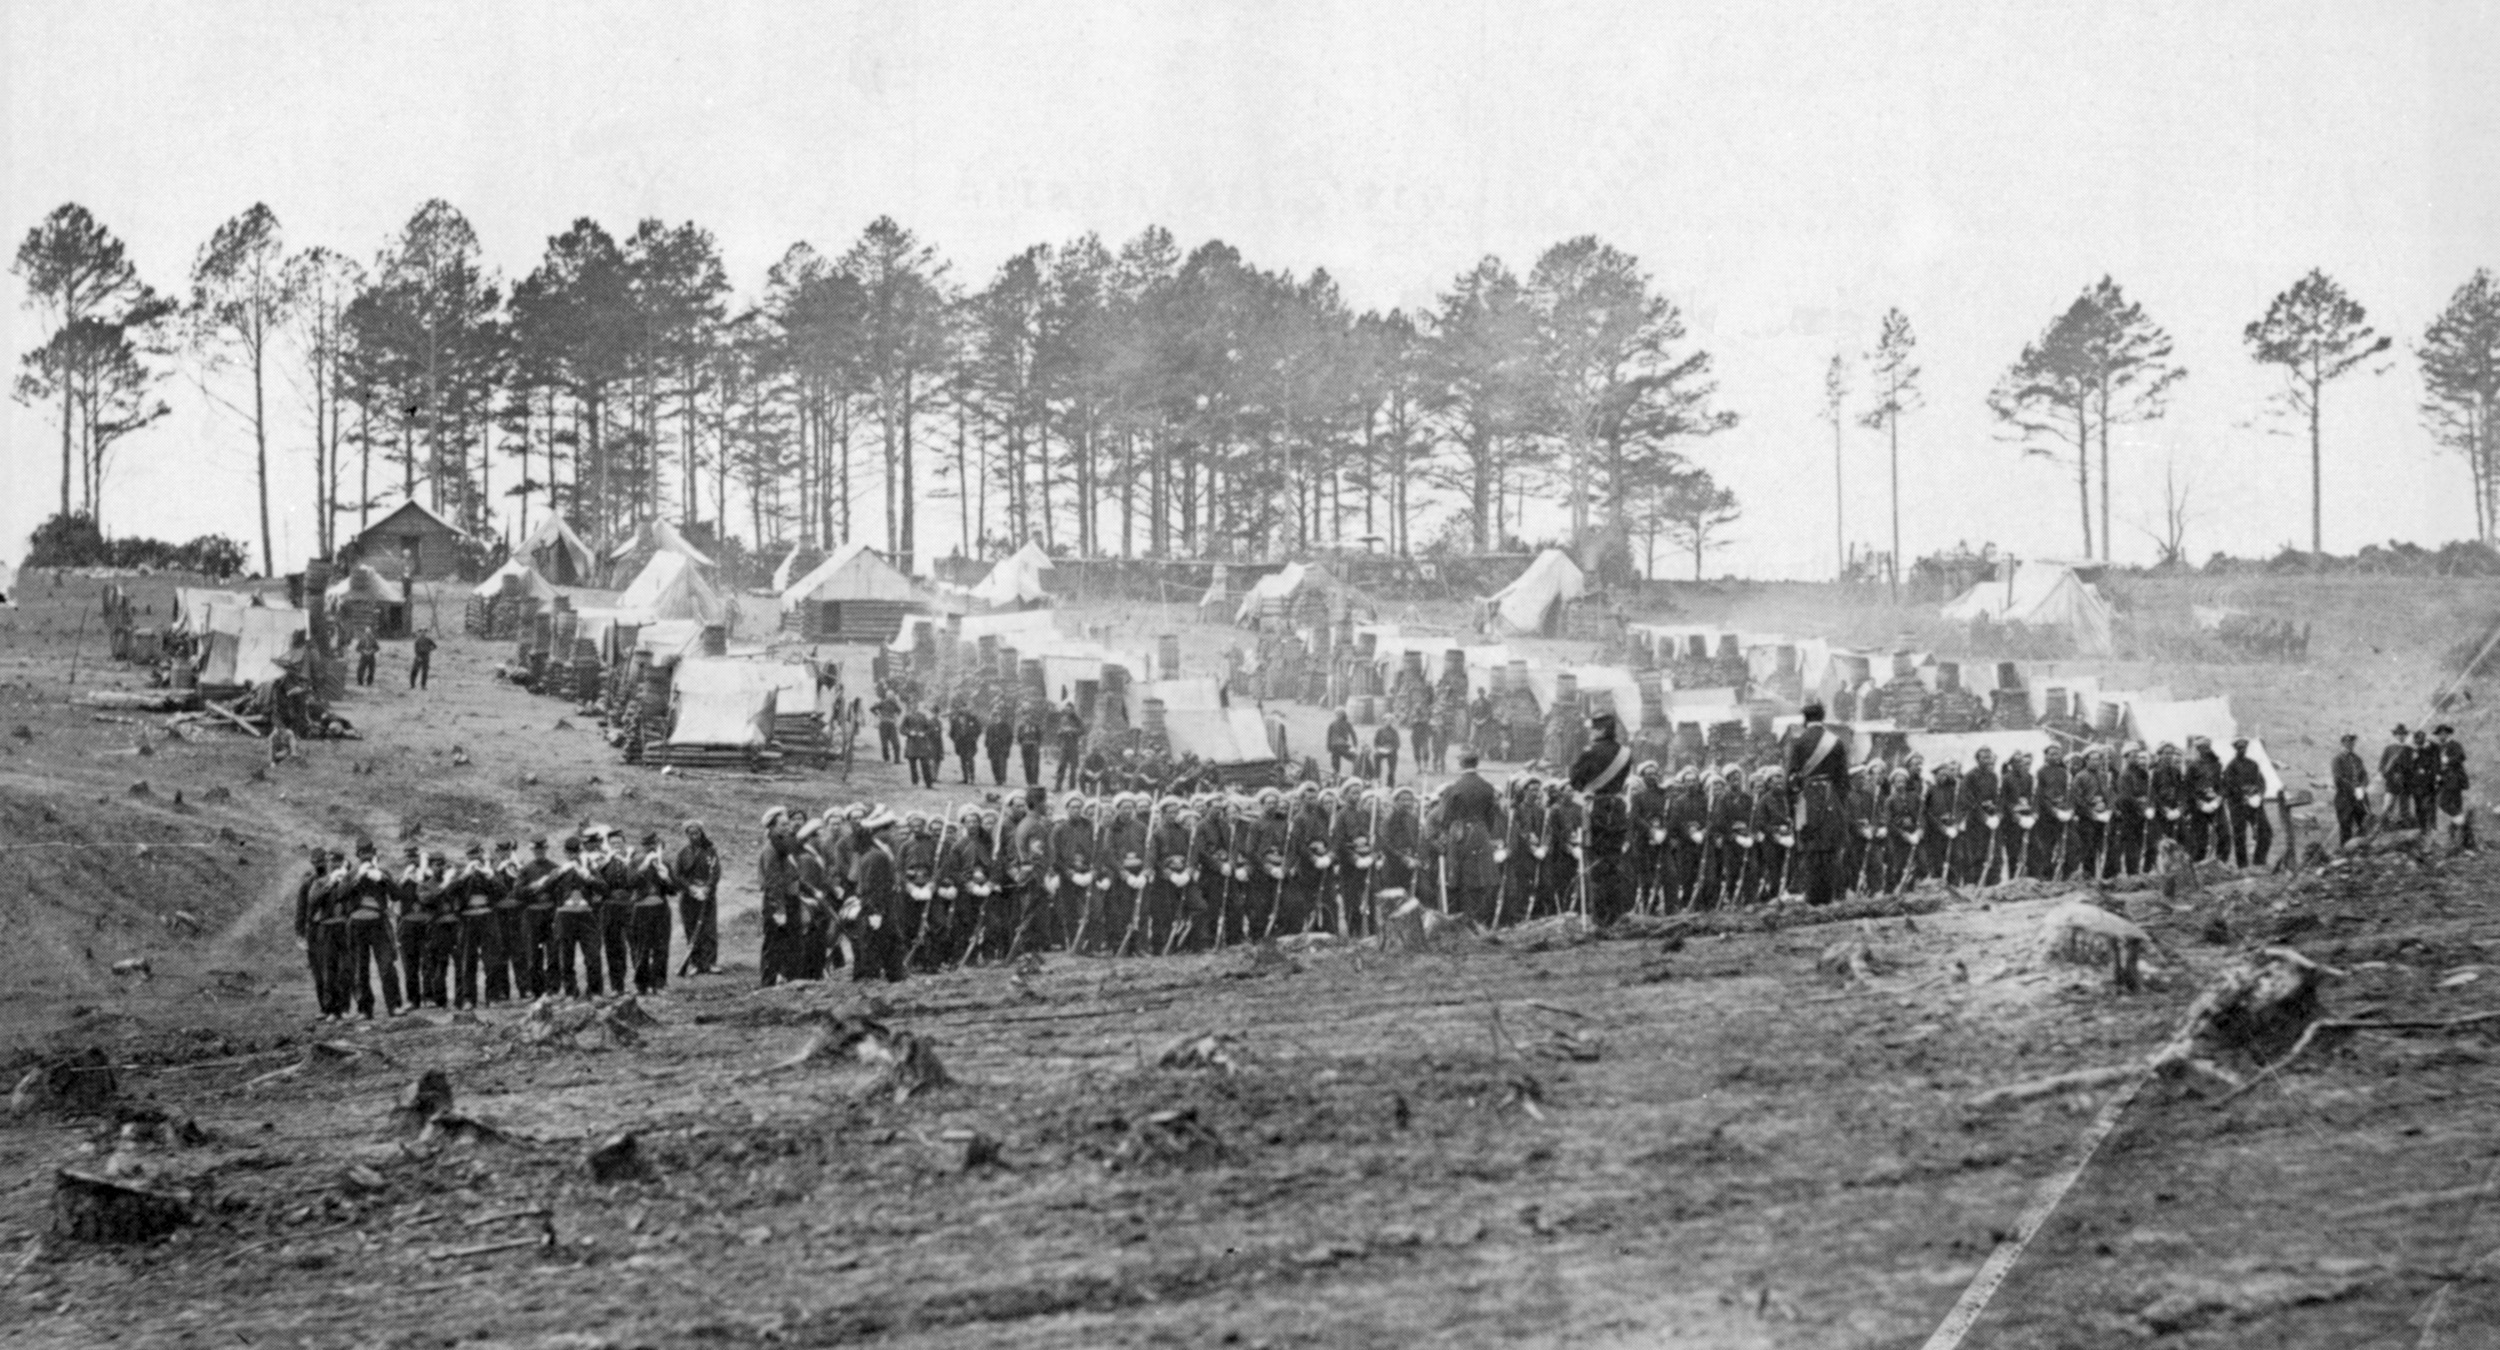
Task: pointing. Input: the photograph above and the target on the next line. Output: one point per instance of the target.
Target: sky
(1784, 172)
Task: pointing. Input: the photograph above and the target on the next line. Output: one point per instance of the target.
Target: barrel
(1948, 677)
(1168, 655)
(1653, 687)
(185, 675)
(1365, 709)
(2058, 707)
(1566, 689)
(1758, 717)
(1902, 665)
(1731, 647)
(1032, 680)
(1152, 714)
(1367, 646)
(715, 639)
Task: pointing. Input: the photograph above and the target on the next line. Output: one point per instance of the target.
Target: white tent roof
(852, 572)
(2040, 595)
(247, 642)
(518, 565)
(667, 639)
(192, 605)
(553, 533)
(663, 538)
(1016, 579)
(1614, 680)
(723, 702)
(788, 569)
(669, 587)
(1522, 606)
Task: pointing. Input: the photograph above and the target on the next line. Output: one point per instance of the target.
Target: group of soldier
(2422, 784)
(493, 926)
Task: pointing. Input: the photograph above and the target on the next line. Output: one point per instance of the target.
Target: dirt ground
(1534, 1139)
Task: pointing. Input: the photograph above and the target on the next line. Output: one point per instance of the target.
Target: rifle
(1371, 874)
(1510, 840)
(1345, 930)
(937, 864)
(1137, 902)
(1182, 927)
(1277, 904)
(1581, 847)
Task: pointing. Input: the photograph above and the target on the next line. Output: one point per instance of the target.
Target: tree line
(1128, 400)
(1104, 401)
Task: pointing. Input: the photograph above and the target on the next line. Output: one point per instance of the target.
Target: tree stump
(93, 1208)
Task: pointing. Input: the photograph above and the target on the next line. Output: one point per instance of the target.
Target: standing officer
(2395, 774)
(368, 651)
(889, 736)
(1818, 770)
(1029, 743)
(312, 896)
(879, 887)
(1340, 742)
(999, 737)
(2352, 792)
(1071, 736)
(698, 900)
(365, 891)
(1471, 816)
(2452, 785)
(572, 930)
(421, 666)
(963, 727)
(2244, 792)
(538, 922)
(2422, 779)
(1385, 748)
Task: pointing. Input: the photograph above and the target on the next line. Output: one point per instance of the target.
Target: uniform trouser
(616, 949)
(998, 766)
(1338, 759)
(1936, 856)
(2252, 835)
(1819, 871)
(1036, 915)
(1735, 874)
(364, 670)
(967, 757)
(889, 743)
(1683, 873)
(650, 942)
(506, 976)
(2199, 835)
(2351, 818)
(369, 948)
(324, 969)
(442, 951)
(2425, 807)
(325, 952)
(1900, 864)
(421, 672)
(574, 937)
(879, 950)
(1031, 753)
(412, 943)
(1063, 775)
(538, 950)
(1770, 871)
(1388, 760)
(1474, 901)
(1609, 884)
(700, 914)
(480, 949)
(813, 955)
(1124, 917)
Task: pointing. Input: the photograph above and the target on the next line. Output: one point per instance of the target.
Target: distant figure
(1385, 750)
(2395, 774)
(1340, 742)
(368, 650)
(2352, 792)
(421, 666)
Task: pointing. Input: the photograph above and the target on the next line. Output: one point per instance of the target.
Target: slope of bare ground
(1523, 1140)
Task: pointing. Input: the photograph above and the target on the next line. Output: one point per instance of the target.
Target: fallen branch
(546, 1240)
(2081, 1080)
(2348, 1024)
(240, 1252)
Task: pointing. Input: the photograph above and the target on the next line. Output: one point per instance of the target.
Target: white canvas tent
(2156, 724)
(533, 583)
(852, 572)
(192, 605)
(1223, 737)
(2040, 595)
(722, 702)
(1533, 602)
(660, 537)
(247, 650)
(556, 552)
(670, 587)
(1284, 591)
(1016, 580)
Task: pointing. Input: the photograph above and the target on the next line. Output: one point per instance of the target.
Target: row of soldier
(493, 926)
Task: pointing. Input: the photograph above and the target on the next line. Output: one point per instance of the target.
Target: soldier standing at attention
(2352, 792)
(698, 900)
(505, 976)
(2452, 785)
(2422, 780)
(421, 665)
(1818, 769)
(413, 926)
(777, 876)
(1071, 735)
(368, 651)
(999, 738)
(537, 953)
(653, 884)
(1029, 743)
(889, 736)
(2395, 764)
(310, 895)
(572, 933)
(878, 883)
(365, 892)
(964, 728)
(1385, 750)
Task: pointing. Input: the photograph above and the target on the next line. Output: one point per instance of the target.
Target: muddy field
(1538, 1138)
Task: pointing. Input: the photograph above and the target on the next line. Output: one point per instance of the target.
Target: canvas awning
(1219, 736)
(723, 703)
(1016, 580)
